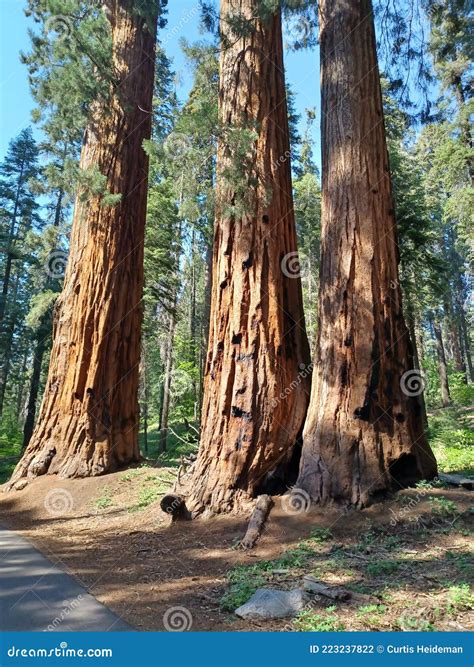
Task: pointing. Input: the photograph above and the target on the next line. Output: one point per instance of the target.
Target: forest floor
(406, 561)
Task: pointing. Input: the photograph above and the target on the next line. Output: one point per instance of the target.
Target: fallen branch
(257, 520)
(314, 586)
(457, 480)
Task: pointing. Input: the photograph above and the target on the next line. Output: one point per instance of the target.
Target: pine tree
(17, 201)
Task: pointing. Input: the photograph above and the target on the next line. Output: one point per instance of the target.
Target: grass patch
(452, 441)
(244, 581)
(105, 499)
(443, 507)
(10, 448)
(309, 621)
(460, 598)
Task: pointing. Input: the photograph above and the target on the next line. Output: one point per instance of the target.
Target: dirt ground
(402, 559)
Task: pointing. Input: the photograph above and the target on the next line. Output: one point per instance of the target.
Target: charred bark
(256, 371)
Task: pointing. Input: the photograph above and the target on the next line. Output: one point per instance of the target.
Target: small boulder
(18, 486)
(271, 603)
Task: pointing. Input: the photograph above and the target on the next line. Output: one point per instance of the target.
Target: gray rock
(272, 603)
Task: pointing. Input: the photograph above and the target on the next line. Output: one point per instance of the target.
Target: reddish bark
(363, 434)
(256, 377)
(88, 424)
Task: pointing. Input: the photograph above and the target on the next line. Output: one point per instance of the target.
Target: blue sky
(302, 68)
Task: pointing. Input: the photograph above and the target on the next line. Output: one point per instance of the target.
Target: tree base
(80, 457)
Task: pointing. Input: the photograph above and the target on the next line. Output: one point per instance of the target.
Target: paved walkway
(36, 595)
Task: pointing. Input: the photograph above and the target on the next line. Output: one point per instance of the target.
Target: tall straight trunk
(464, 333)
(89, 418)
(205, 322)
(411, 323)
(455, 341)
(466, 130)
(38, 355)
(256, 371)
(9, 259)
(165, 405)
(364, 432)
(442, 366)
(144, 399)
(9, 327)
(21, 387)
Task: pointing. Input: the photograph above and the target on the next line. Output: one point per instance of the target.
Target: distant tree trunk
(205, 322)
(465, 339)
(9, 258)
(34, 388)
(21, 386)
(9, 326)
(411, 322)
(454, 340)
(144, 397)
(466, 128)
(465, 342)
(256, 372)
(165, 405)
(364, 432)
(88, 424)
(443, 369)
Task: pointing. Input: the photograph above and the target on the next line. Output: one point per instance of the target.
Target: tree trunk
(455, 341)
(9, 259)
(9, 326)
(256, 371)
(364, 432)
(411, 323)
(21, 387)
(144, 396)
(205, 323)
(443, 369)
(464, 334)
(165, 406)
(34, 387)
(89, 418)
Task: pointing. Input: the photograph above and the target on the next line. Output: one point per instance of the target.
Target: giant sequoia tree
(257, 342)
(364, 431)
(88, 423)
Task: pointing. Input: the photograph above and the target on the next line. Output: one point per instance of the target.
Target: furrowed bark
(364, 434)
(256, 371)
(88, 423)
